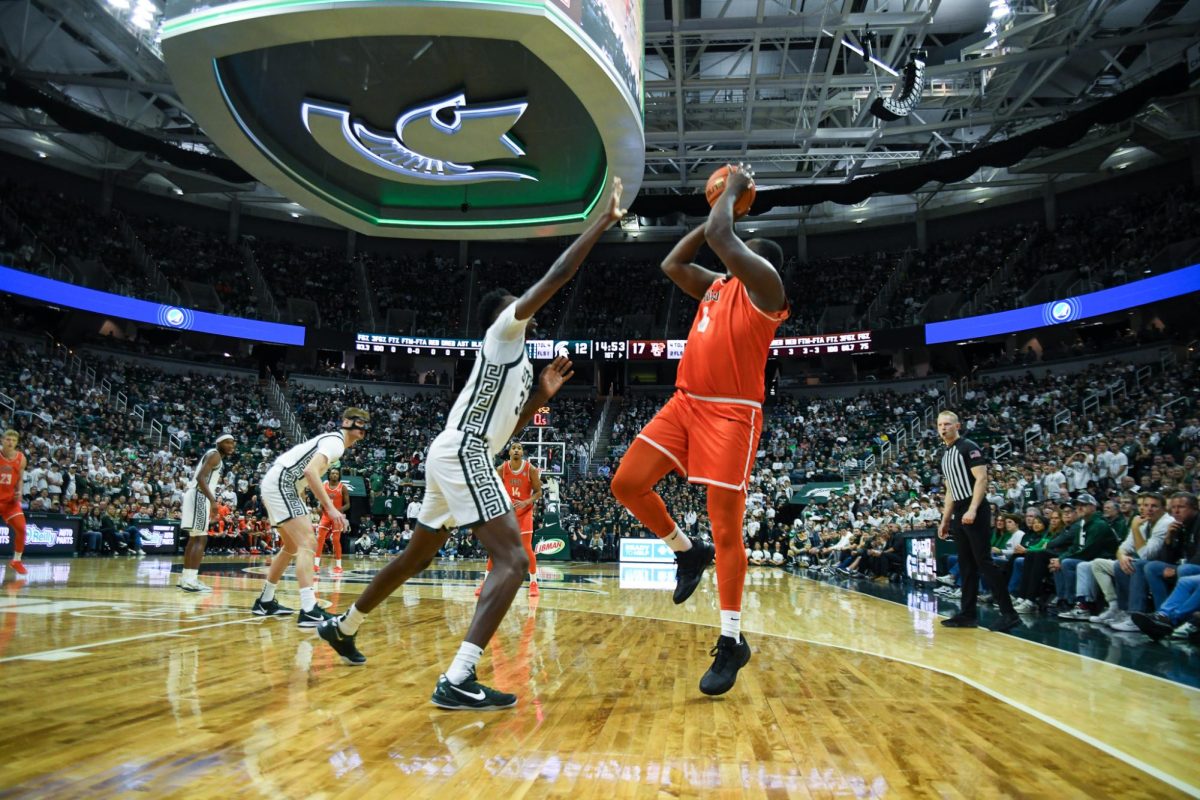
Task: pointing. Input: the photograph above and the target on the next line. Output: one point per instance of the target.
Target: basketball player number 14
(703, 326)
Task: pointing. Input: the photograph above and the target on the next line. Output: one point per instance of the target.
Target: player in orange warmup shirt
(339, 493)
(12, 471)
(708, 431)
(523, 482)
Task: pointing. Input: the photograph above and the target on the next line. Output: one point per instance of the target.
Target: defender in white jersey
(199, 508)
(282, 496)
(461, 486)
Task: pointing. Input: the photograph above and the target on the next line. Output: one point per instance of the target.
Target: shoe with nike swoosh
(342, 644)
(470, 695)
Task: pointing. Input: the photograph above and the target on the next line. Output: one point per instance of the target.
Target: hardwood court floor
(115, 684)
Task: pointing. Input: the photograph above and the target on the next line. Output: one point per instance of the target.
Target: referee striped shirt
(957, 460)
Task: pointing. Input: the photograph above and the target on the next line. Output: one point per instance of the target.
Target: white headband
(224, 437)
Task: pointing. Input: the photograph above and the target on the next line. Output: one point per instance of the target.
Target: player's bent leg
(341, 631)
(726, 508)
(642, 467)
(299, 538)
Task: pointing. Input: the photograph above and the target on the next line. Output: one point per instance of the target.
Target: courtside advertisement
(43, 537)
(645, 551)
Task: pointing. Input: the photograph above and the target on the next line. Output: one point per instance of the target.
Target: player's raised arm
(693, 279)
(761, 279)
(568, 263)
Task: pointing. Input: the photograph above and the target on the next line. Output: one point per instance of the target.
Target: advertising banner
(645, 551)
(552, 543)
(45, 535)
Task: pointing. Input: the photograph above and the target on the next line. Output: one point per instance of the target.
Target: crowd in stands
(432, 288)
(620, 300)
(1102, 247)
(184, 253)
(321, 275)
(40, 224)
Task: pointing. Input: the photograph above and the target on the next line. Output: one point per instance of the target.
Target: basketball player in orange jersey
(523, 483)
(339, 493)
(12, 471)
(709, 430)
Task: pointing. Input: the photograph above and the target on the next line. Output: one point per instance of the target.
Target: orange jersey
(726, 353)
(337, 494)
(519, 484)
(10, 476)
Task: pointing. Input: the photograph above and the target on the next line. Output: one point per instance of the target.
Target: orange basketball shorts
(711, 440)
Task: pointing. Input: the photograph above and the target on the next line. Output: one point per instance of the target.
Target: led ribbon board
(57, 293)
(1069, 309)
(444, 119)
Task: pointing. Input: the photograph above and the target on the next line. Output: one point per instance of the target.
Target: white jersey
(214, 477)
(492, 398)
(292, 463)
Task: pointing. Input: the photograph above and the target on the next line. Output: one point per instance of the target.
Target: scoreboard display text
(609, 350)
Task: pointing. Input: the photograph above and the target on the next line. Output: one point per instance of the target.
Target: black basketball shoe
(730, 656)
(960, 622)
(269, 608)
(311, 619)
(342, 643)
(689, 568)
(470, 695)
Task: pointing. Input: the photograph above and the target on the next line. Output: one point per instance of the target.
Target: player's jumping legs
(726, 508)
(642, 467)
(16, 524)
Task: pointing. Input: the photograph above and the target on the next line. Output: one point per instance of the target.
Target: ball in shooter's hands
(716, 187)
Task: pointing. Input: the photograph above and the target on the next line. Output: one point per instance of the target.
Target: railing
(1117, 386)
(159, 285)
(884, 297)
(1171, 403)
(267, 308)
(1061, 418)
(122, 403)
(9, 405)
(1001, 449)
(601, 427)
(156, 432)
(1090, 404)
(279, 402)
(1031, 436)
(175, 442)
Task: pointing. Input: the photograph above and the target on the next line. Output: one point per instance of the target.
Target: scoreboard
(609, 350)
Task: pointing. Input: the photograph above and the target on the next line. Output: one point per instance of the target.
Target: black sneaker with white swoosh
(342, 644)
(470, 695)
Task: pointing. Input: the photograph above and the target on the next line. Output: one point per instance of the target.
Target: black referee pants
(974, 543)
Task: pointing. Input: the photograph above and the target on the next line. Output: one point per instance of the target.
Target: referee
(967, 517)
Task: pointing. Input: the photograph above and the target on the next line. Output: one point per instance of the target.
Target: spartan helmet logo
(437, 142)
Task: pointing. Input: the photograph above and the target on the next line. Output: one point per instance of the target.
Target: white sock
(533, 577)
(308, 598)
(677, 541)
(316, 563)
(189, 575)
(338, 563)
(268, 592)
(731, 624)
(464, 662)
(17, 556)
(1113, 606)
(351, 620)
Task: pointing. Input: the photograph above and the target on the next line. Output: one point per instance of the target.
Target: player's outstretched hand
(740, 178)
(555, 374)
(615, 212)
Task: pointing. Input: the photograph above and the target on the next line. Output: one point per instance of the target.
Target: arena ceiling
(781, 84)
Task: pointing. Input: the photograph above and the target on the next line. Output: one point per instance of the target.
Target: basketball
(716, 187)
